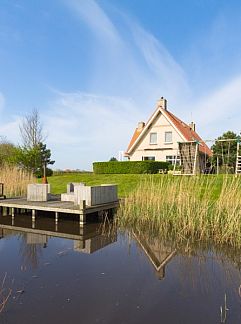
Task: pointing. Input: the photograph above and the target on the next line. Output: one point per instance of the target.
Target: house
(159, 139)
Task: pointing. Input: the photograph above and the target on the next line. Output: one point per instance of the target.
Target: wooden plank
(55, 206)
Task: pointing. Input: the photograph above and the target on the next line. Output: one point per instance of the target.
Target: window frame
(150, 142)
(148, 158)
(168, 142)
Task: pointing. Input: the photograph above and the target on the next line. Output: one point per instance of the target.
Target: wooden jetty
(54, 204)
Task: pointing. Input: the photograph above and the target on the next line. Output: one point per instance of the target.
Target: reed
(15, 180)
(4, 294)
(186, 208)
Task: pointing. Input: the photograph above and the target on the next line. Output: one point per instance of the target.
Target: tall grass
(186, 208)
(4, 294)
(15, 180)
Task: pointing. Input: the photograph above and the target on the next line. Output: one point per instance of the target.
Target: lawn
(126, 182)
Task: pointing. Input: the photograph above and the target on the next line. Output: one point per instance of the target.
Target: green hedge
(134, 167)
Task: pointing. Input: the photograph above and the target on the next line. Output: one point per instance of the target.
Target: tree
(45, 159)
(35, 159)
(34, 155)
(31, 130)
(113, 159)
(7, 151)
(226, 151)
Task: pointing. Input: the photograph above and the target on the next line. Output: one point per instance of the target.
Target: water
(64, 274)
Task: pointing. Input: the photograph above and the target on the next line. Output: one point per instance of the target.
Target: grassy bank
(186, 208)
(15, 181)
(126, 182)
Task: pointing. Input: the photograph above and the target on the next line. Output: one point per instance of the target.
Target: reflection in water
(117, 284)
(158, 253)
(87, 239)
(201, 265)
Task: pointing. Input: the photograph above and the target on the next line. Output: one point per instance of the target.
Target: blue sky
(94, 69)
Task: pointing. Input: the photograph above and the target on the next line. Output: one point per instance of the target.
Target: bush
(134, 167)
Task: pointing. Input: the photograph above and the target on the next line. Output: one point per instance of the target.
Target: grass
(4, 294)
(199, 208)
(126, 182)
(15, 181)
(186, 208)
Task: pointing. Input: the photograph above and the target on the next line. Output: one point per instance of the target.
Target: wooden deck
(54, 205)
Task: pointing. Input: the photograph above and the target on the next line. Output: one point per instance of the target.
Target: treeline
(33, 155)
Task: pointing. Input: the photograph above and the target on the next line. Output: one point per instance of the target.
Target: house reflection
(87, 239)
(158, 252)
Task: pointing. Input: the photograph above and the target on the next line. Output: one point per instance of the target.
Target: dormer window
(153, 138)
(168, 137)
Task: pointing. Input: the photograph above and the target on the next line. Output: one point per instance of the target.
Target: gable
(159, 125)
(160, 121)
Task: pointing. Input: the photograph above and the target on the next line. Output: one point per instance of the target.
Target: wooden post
(33, 215)
(195, 160)
(82, 216)
(56, 217)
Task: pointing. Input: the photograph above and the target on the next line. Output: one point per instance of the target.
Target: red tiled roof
(134, 137)
(188, 133)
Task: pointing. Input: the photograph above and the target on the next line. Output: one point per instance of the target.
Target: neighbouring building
(158, 138)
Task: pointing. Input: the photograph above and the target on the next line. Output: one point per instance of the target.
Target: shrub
(134, 167)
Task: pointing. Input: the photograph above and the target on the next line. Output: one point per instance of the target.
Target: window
(172, 158)
(168, 137)
(153, 138)
(148, 158)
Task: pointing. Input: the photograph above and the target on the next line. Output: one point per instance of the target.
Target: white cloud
(167, 73)
(130, 61)
(96, 19)
(10, 129)
(220, 110)
(85, 127)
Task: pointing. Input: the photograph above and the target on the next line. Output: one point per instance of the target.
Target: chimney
(140, 126)
(162, 103)
(193, 126)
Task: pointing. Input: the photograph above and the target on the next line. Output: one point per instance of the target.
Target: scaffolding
(194, 157)
(238, 158)
(189, 158)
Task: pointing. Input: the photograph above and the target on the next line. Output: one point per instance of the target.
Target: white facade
(158, 139)
(159, 142)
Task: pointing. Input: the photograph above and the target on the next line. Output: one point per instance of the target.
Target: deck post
(12, 211)
(82, 216)
(33, 215)
(56, 217)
